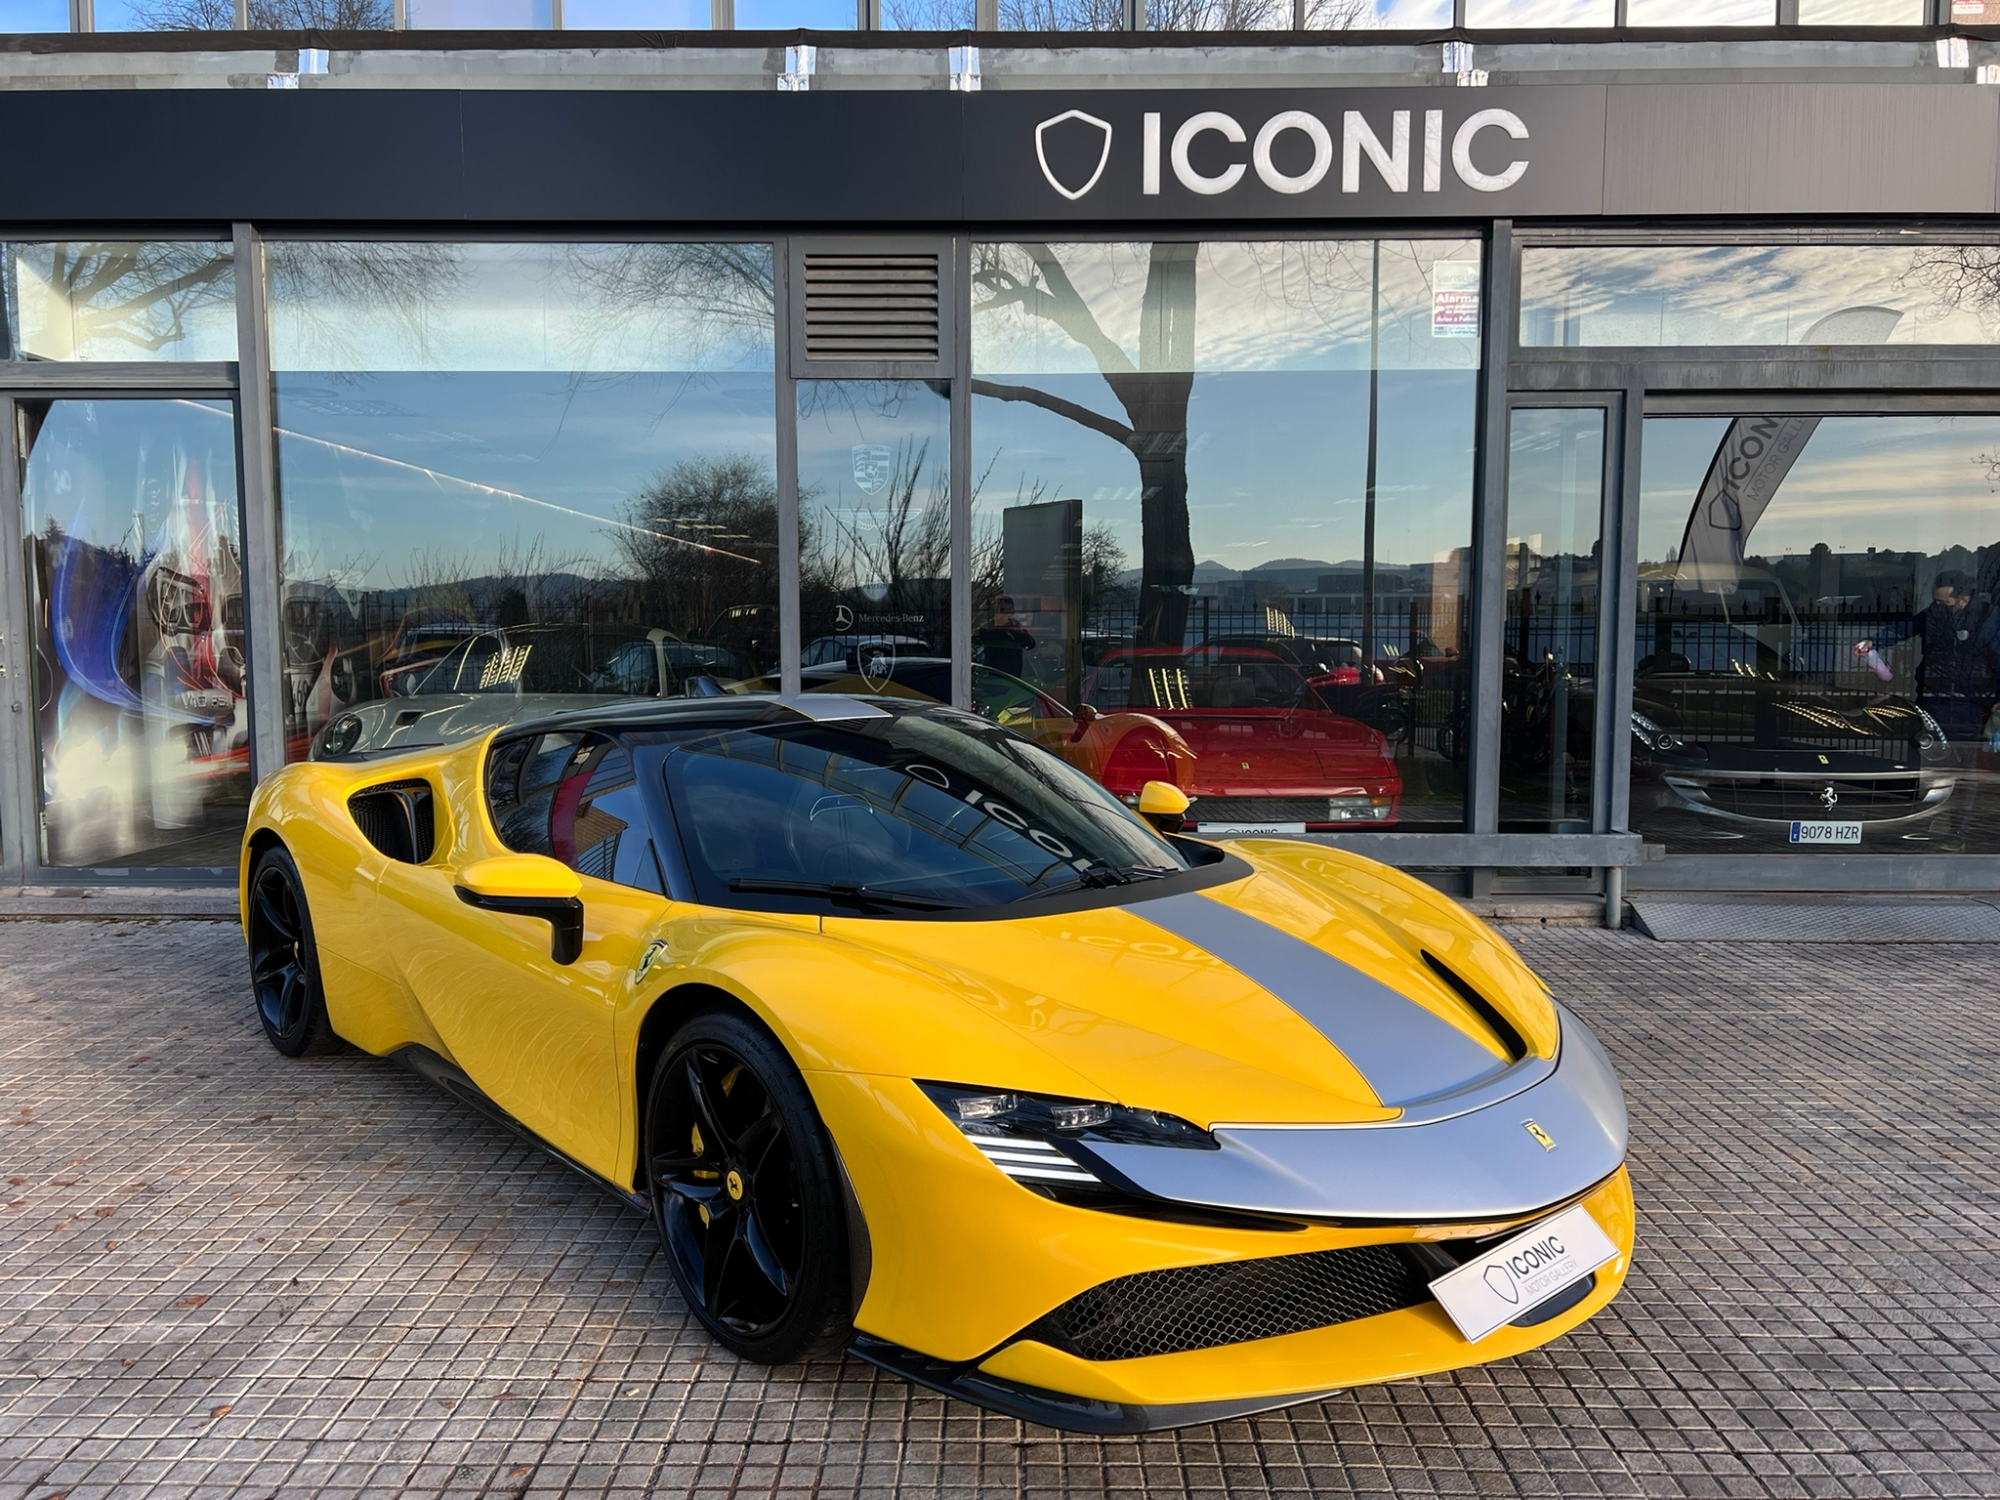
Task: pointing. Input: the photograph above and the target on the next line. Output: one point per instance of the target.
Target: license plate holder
(1490, 1291)
(1825, 831)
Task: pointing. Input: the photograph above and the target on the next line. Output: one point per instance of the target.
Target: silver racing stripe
(1405, 1052)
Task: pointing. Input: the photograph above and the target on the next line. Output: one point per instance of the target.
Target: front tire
(284, 961)
(746, 1191)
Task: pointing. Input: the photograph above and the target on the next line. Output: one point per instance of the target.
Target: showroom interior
(1626, 522)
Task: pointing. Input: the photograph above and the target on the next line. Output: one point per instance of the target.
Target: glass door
(1557, 465)
(132, 541)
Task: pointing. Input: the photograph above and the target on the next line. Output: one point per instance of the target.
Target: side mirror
(1164, 805)
(529, 885)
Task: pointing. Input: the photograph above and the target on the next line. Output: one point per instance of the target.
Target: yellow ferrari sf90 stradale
(914, 1040)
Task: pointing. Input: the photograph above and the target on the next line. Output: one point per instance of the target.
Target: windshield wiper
(841, 894)
(1103, 877)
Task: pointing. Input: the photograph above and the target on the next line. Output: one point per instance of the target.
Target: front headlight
(985, 1114)
(339, 737)
(1652, 736)
(1043, 1142)
(1932, 734)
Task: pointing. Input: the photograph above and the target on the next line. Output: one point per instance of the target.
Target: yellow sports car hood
(1300, 994)
(1356, 1046)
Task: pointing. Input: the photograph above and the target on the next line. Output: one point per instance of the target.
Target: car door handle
(564, 914)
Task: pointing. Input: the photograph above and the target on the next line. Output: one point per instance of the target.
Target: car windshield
(912, 811)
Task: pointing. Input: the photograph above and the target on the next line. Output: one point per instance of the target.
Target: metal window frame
(21, 801)
(1854, 381)
(952, 367)
(33, 380)
(257, 485)
(1613, 468)
(1479, 845)
(19, 811)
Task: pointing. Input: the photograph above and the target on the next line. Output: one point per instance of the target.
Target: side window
(522, 777)
(574, 798)
(605, 835)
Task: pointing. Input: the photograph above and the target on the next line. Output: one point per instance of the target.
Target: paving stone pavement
(222, 1273)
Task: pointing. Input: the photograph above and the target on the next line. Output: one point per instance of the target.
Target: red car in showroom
(1269, 754)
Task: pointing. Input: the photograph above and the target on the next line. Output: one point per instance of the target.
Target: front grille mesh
(1203, 1307)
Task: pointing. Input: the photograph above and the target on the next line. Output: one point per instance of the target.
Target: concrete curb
(116, 904)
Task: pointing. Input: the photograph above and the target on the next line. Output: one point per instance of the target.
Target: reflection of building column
(1368, 502)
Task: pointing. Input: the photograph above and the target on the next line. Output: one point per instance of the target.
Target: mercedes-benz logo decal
(1085, 122)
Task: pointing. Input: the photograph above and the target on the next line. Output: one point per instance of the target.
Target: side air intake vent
(873, 307)
(398, 818)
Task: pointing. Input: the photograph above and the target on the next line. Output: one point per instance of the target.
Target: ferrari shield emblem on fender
(872, 467)
(1073, 147)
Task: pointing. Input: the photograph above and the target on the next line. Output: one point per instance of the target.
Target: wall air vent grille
(398, 818)
(872, 307)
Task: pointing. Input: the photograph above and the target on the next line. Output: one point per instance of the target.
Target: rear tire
(746, 1192)
(284, 960)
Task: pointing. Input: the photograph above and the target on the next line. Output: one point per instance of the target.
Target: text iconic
(1410, 155)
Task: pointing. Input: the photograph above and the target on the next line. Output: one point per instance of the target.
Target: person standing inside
(1958, 678)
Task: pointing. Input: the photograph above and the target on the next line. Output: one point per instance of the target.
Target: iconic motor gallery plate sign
(1491, 1291)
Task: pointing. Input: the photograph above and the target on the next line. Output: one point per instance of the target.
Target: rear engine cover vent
(398, 818)
(872, 307)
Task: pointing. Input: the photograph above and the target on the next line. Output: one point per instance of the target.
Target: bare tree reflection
(1959, 278)
(703, 549)
(145, 295)
(265, 15)
(1109, 15)
(1153, 390)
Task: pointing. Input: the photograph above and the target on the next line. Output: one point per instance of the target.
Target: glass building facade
(1543, 553)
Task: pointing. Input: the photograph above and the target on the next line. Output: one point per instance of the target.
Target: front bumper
(1031, 1380)
(965, 1262)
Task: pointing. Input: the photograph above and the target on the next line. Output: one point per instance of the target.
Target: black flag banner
(1752, 460)
(1755, 455)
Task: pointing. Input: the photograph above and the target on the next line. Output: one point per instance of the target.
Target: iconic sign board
(1286, 153)
(922, 157)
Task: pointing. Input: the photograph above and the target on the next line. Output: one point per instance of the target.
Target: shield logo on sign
(1501, 1280)
(1073, 147)
(872, 467)
(878, 665)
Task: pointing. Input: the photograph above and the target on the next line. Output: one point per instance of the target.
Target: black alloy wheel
(746, 1191)
(284, 963)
